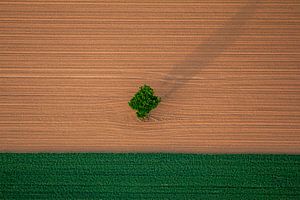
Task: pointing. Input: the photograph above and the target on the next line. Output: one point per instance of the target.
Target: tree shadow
(207, 52)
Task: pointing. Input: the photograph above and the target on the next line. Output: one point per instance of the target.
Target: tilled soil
(227, 71)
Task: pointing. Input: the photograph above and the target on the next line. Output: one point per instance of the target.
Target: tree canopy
(144, 101)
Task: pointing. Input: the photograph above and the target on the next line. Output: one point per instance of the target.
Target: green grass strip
(148, 176)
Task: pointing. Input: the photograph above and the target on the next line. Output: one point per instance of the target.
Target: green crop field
(148, 176)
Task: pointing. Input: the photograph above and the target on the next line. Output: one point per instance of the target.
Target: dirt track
(228, 72)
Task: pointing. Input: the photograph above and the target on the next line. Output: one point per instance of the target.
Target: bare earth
(228, 72)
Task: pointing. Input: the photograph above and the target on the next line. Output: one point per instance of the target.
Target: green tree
(144, 101)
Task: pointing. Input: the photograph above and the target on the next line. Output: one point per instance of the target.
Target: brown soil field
(228, 72)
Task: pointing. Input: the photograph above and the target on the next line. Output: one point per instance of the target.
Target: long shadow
(207, 52)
